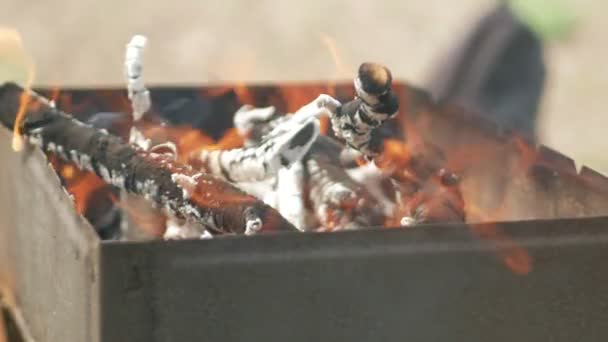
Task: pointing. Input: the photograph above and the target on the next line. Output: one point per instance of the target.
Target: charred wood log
(283, 146)
(355, 121)
(183, 192)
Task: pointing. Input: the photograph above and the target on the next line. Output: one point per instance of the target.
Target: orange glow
(396, 154)
(189, 140)
(213, 194)
(24, 100)
(231, 139)
(80, 184)
(296, 96)
(84, 188)
(242, 91)
(514, 257)
(16, 65)
(526, 151)
(68, 172)
(324, 125)
(192, 141)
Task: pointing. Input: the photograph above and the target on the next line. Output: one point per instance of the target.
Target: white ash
(370, 176)
(259, 189)
(137, 138)
(60, 150)
(178, 229)
(327, 195)
(289, 195)
(322, 105)
(253, 226)
(138, 94)
(408, 221)
(35, 140)
(349, 155)
(167, 148)
(271, 198)
(104, 173)
(147, 188)
(187, 183)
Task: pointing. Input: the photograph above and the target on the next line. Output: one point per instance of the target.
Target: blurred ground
(192, 41)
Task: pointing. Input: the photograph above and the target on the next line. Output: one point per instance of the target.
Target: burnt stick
(284, 145)
(355, 121)
(177, 188)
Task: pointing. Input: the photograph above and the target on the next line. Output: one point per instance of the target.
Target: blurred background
(81, 43)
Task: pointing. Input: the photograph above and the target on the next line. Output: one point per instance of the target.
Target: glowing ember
(80, 184)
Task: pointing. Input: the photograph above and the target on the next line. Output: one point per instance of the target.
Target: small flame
(342, 69)
(16, 65)
(54, 96)
(514, 257)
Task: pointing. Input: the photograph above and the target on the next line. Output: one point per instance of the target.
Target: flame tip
(17, 143)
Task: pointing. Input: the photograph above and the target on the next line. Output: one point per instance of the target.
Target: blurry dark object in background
(498, 70)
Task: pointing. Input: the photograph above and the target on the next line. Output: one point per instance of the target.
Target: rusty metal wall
(48, 253)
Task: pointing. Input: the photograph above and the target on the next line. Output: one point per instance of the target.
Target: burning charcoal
(356, 120)
(337, 200)
(438, 200)
(281, 148)
(177, 188)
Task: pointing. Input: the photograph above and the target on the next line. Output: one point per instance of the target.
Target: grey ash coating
(146, 174)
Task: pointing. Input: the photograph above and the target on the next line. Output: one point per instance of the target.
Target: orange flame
(514, 257)
(16, 65)
(395, 154)
(341, 68)
(54, 95)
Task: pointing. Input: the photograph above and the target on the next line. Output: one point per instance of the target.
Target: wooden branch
(183, 192)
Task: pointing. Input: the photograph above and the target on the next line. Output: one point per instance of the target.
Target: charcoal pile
(271, 171)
